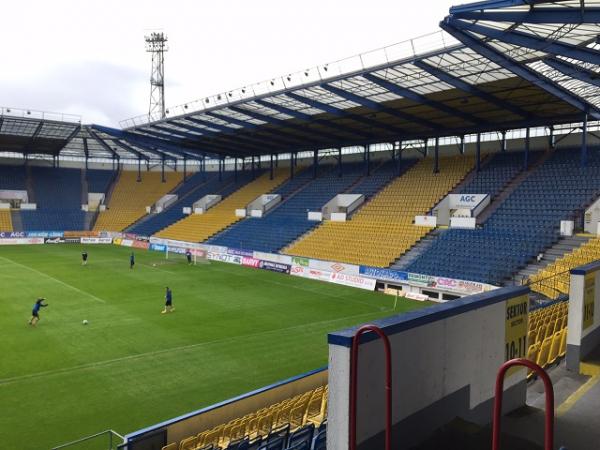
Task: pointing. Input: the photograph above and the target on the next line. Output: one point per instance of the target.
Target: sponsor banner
(223, 257)
(248, 261)
(12, 234)
(421, 280)
(158, 247)
(81, 234)
(44, 234)
(353, 281)
(335, 267)
(174, 243)
(117, 241)
(306, 272)
(21, 241)
(274, 266)
(299, 261)
(140, 244)
(125, 242)
(274, 257)
(383, 274)
(135, 237)
(240, 252)
(96, 240)
(213, 248)
(59, 240)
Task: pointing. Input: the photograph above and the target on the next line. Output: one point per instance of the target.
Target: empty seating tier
(554, 280)
(547, 334)
(130, 198)
(190, 192)
(5, 220)
(199, 227)
(383, 229)
(58, 195)
(290, 219)
(523, 226)
(289, 423)
(13, 178)
(99, 180)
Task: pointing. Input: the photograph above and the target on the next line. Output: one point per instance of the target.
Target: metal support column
(527, 144)
(339, 161)
(276, 160)
(184, 169)
(584, 149)
(315, 162)
(478, 153)
(252, 167)
(291, 166)
(436, 165)
(271, 168)
(86, 163)
(503, 143)
(551, 140)
(368, 160)
(399, 162)
(162, 170)
(220, 169)
(462, 145)
(139, 177)
(235, 169)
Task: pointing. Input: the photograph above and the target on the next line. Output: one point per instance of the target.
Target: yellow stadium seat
(199, 227)
(172, 446)
(130, 198)
(562, 351)
(188, 443)
(542, 359)
(5, 220)
(555, 347)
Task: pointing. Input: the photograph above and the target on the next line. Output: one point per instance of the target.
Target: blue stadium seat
(58, 194)
(99, 180)
(13, 178)
(523, 226)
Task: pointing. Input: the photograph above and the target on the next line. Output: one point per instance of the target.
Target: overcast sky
(88, 57)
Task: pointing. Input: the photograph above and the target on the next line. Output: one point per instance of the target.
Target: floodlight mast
(156, 43)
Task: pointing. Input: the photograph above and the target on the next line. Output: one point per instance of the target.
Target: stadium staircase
(563, 247)
(416, 250)
(287, 221)
(29, 185)
(523, 226)
(199, 227)
(129, 198)
(383, 228)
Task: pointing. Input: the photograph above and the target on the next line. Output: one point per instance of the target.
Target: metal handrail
(354, 383)
(549, 420)
(93, 436)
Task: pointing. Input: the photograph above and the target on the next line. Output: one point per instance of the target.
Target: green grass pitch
(234, 329)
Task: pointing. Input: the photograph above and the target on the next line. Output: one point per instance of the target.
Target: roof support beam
(525, 40)
(469, 88)
(574, 71)
(283, 123)
(418, 98)
(105, 145)
(145, 141)
(130, 149)
(69, 138)
(375, 106)
(537, 15)
(522, 71)
(230, 135)
(336, 112)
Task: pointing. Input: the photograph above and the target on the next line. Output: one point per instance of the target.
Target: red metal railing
(549, 421)
(354, 383)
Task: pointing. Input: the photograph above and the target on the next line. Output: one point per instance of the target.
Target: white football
(85, 322)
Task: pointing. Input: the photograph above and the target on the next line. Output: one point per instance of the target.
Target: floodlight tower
(156, 43)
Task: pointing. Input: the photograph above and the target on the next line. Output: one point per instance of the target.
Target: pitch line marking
(12, 380)
(98, 299)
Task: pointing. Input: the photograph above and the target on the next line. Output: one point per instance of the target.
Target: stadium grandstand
(456, 175)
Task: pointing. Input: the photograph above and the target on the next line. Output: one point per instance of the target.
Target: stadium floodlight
(156, 43)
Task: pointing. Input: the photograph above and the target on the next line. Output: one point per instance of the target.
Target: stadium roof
(497, 65)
